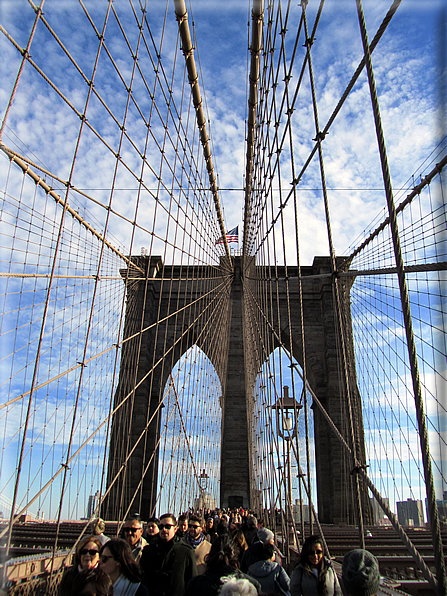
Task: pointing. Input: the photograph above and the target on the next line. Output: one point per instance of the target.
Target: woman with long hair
(238, 539)
(117, 561)
(314, 574)
(86, 557)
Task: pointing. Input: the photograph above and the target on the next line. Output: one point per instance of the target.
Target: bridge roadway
(32, 545)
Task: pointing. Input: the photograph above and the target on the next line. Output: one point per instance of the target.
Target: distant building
(410, 513)
(297, 512)
(442, 508)
(205, 501)
(92, 504)
(378, 514)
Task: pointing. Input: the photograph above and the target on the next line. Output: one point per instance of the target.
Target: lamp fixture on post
(203, 480)
(287, 409)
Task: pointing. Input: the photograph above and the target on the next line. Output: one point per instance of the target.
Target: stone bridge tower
(148, 300)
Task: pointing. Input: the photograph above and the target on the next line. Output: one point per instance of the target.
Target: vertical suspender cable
(411, 344)
(336, 289)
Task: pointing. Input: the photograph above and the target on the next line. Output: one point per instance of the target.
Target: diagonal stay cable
(335, 112)
(414, 193)
(38, 180)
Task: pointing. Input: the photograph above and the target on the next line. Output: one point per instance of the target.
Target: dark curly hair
(222, 553)
(266, 551)
(95, 577)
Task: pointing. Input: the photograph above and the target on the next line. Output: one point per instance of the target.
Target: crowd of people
(221, 554)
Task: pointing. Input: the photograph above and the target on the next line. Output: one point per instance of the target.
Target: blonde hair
(99, 526)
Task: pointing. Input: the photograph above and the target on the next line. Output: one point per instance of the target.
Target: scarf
(195, 543)
(124, 587)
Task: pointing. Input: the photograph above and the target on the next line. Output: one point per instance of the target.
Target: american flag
(232, 236)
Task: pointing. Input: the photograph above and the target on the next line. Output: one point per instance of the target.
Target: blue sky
(41, 126)
(407, 76)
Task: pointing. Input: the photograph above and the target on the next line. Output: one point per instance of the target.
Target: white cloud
(47, 130)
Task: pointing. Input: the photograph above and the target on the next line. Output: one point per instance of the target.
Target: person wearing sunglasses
(168, 563)
(86, 557)
(117, 561)
(132, 533)
(196, 538)
(314, 574)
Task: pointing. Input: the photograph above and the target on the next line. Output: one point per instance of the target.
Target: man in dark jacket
(250, 529)
(168, 563)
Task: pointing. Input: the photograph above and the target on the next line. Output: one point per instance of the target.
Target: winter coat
(67, 580)
(271, 576)
(252, 554)
(200, 553)
(251, 534)
(168, 567)
(304, 582)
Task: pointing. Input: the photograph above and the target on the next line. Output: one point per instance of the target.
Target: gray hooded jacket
(271, 576)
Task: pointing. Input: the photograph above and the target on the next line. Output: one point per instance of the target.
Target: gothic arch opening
(190, 435)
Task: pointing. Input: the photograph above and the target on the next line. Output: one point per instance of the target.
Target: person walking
(132, 533)
(360, 573)
(221, 564)
(117, 561)
(314, 574)
(196, 538)
(271, 576)
(86, 557)
(168, 563)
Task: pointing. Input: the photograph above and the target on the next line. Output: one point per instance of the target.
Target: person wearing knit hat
(265, 535)
(252, 554)
(360, 573)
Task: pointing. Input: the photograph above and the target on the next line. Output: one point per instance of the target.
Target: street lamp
(286, 409)
(203, 480)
